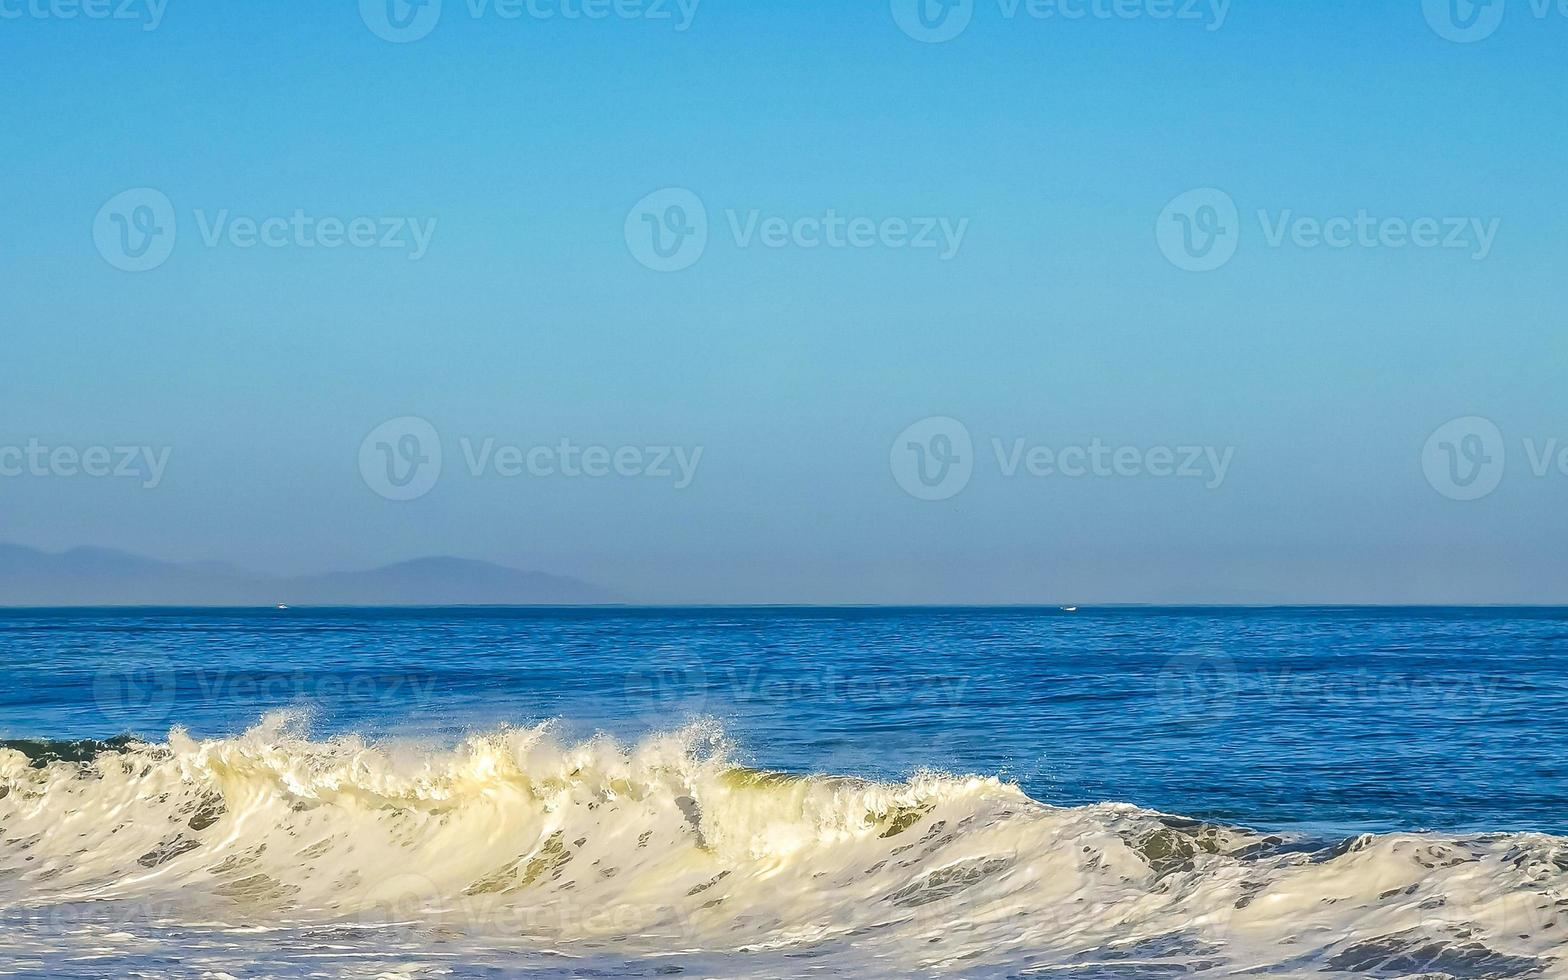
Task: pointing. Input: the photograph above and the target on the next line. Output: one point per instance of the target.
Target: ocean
(1099, 793)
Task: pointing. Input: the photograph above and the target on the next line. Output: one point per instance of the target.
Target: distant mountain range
(100, 577)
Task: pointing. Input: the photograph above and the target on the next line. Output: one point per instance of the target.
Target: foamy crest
(516, 851)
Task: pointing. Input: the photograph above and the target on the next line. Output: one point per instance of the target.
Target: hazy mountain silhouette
(442, 582)
(100, 577)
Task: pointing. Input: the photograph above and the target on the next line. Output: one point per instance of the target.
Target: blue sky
(524, 146)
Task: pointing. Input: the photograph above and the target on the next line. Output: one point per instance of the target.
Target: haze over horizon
(89, 576)
(711, 309)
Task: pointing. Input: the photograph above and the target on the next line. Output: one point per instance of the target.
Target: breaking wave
(514, 851)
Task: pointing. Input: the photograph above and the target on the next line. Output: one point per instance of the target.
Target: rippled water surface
(1450, 719)
(770, 793)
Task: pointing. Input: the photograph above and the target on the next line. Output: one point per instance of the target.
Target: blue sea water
(1099, 794)
(1324, 721)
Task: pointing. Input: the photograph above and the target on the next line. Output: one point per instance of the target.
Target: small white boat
(1069, 609)
(282, 606)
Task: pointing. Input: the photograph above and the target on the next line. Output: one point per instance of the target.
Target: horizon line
(1065, 608)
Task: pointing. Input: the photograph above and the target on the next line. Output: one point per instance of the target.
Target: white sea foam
(270, 854)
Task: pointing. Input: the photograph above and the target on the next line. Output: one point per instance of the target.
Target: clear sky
(878, 226)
